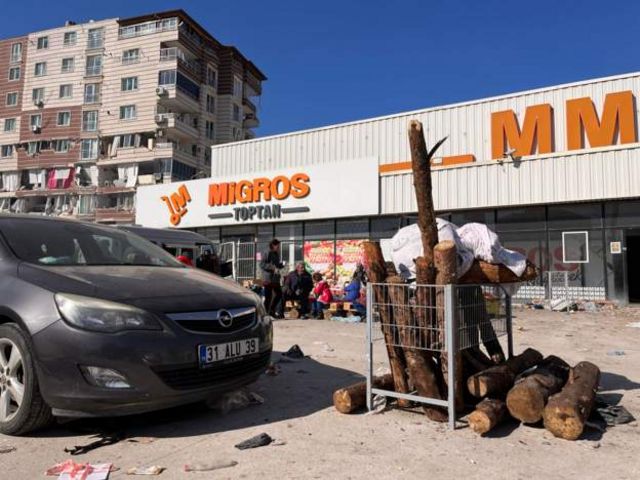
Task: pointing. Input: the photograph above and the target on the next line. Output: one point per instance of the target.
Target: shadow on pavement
(612, 381)
(303, 387)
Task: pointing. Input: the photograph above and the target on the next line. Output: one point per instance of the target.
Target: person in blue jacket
(352, 295)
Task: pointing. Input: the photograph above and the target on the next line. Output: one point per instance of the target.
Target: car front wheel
(22, 408)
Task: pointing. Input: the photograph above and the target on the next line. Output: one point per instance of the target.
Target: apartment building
(89, 112)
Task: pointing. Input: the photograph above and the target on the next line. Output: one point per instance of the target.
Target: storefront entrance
(633, 266)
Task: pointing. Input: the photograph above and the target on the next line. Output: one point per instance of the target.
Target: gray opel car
(96, 321)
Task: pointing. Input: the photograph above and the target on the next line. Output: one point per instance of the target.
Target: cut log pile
(527, 386)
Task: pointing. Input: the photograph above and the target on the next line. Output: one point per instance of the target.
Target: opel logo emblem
(225, 319)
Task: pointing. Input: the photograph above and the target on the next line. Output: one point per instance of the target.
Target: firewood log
(419, 361)
(377, 273)
(529, 395)
(567, 411)
(354, 397)
(496, 381)
(446, 263)
(483, 272)
(488, 413)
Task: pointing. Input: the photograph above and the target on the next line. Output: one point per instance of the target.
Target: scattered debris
(254, 442)
(327, 348)
(7, 449)
(209, 467)
(142, 440)
(272, 370)
(70, 470)
(616, 353)
(634, 324)
(294, 352)
(278, 443)
(104, 439)
(614, 414)
(152, 470)
(235, 401)
(589, 307)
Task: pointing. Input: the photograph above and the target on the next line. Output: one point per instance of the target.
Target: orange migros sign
(587, 125)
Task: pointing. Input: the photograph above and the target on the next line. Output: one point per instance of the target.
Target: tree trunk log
(354, 397)
(377, 273)
(529, 395)
(483, 272)
(567, 411)
(488, 414)
(419, 361)
(421, 166)
(496, 381)
(446, 263)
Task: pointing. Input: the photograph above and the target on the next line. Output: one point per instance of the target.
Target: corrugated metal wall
(560, 177)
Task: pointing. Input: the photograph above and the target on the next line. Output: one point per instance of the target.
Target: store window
(352, 228)
(384, 227)
(584, 252)
(288, 231)
(486, 217)
(533, 245)
(319, 230)
(622, 214)
(525, 218)
(574, 216)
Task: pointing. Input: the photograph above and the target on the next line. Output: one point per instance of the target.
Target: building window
(131, 56)
(211, 104)
(14, 74)
(7, 151)
(61, 146)
(128, 84)
(211, 77)
(64, 119)
(43, 42)
(94, 65)
(92, 93)
(90, 121)
(167, 77)
(89, 149)
(9, 124)
(236, 113)
(37, 95)
(237, 87)
(127, 141)
(68, 64)
(95, 38)
(70, 38)
(40, 69)
(66, 91)
(16, 52)
(210, 130)
(36, 121)
(33, 148)
(12, 99)
(128, 112)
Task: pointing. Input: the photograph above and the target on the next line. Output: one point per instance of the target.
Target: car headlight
(104, 316)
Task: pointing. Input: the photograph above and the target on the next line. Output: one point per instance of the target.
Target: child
(322, 294)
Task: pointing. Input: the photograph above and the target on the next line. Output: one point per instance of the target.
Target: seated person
(352, 295)
(322, 294)
(297, 287)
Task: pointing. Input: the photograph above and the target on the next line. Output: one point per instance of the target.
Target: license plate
(209, 354)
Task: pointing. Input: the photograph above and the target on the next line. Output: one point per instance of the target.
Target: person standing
(297, 287)
(270, 264)
(322, 294)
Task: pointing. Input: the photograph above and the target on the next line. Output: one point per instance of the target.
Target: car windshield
(77, 244)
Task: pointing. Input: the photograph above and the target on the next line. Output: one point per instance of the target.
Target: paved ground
(320, 443)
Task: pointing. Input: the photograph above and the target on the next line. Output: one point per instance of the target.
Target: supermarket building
(555, 171)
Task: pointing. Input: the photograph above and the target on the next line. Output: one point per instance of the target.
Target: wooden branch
(529, 395)
(376, 273)
(419, 363)
(487, 415)
(483, 272)
(354, 397)
(567, 411)
(496, 381)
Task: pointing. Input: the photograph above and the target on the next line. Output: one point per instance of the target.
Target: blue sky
(333, 61)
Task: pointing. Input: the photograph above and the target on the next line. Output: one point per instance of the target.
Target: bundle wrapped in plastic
(473, 241)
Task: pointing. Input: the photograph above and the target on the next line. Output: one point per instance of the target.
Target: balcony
(115, 215)
(148, 28)
(144, 154)
(180, 124)
(178, 99)
(178, 58)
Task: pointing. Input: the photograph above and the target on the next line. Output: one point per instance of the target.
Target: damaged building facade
(89, 112)
(554, 171)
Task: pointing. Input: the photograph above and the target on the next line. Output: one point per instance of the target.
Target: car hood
(157, 289)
